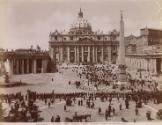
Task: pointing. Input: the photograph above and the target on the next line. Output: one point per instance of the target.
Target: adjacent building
(145, 51)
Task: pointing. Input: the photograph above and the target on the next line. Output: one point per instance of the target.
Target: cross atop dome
(80, 14)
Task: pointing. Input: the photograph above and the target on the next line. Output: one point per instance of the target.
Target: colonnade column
(34, 66)
(22, 67)
(17, 66)
(10, 66)
(27, 67)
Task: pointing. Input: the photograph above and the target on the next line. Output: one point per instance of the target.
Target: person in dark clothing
(136, 111)
(106, 114)
(49, 104)
(109, 107)
(57, 118)
(81, 102)
(120, 106)
(52, 101)
(113, 111)
(99, 111)
(123, 120)
(148, 115)
(52, 119)
(64, 107)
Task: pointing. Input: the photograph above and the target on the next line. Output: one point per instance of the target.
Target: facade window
(71, 38)
(55, 37)
(71, 48)
(98, 37)
(64, 39)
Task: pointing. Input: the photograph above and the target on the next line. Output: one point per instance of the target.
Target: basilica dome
(80, 25)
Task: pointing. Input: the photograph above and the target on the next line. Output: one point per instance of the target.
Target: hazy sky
(28, 22)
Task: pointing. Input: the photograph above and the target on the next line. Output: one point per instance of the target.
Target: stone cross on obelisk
(121, 56)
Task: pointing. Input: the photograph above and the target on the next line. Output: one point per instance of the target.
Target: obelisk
(121, 56)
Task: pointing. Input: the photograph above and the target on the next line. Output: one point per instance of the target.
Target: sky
(28, 22)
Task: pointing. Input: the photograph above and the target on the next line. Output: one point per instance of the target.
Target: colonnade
(146, 64)
(26, 66)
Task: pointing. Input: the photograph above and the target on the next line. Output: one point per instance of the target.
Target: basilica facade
(83, 45)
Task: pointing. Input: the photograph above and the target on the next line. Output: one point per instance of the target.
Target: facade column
(96, 54)
(88, 57)
(61, 54)
(93, 54)
(22, 64)
(109, 54)
(75, 49)
(68, 54)
(82, 54)
(155, 71)
(77, 53)
(102, 55)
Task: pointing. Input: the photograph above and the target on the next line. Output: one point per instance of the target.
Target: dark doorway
(39, 66)
(72, 57)
(158, 66)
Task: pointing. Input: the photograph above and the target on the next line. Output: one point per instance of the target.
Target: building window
(64, 39)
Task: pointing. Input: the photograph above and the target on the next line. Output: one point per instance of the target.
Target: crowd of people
(23, 107)
(106, 76)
